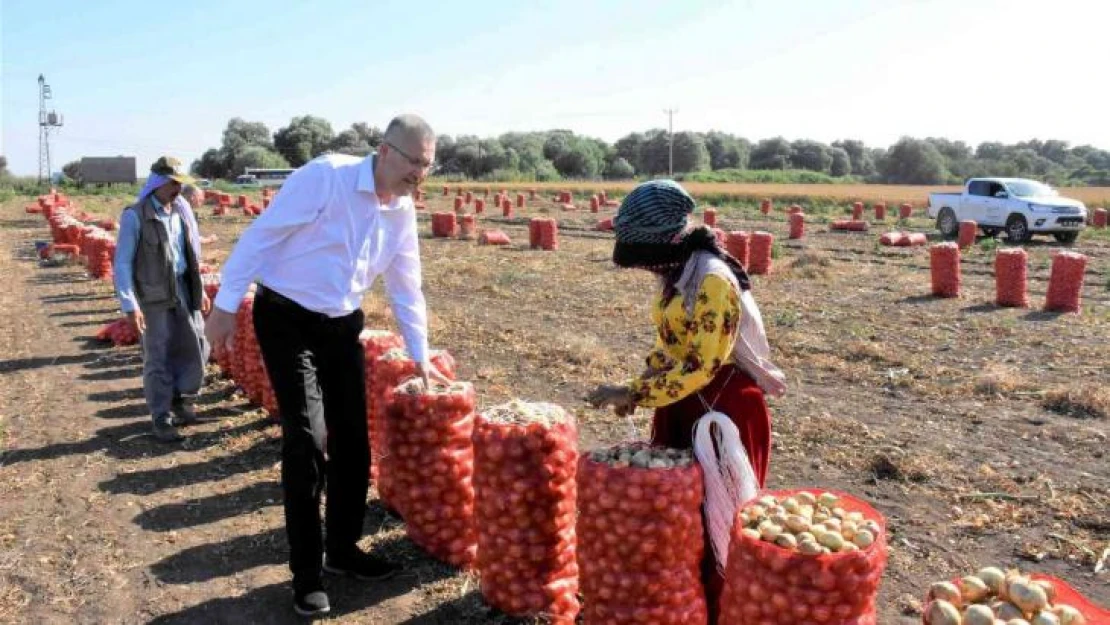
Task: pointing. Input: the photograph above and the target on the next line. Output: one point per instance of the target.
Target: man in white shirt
(337, 223)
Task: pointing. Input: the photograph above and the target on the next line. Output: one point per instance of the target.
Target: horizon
(804, 70)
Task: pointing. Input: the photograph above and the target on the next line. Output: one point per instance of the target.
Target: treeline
(562, 154)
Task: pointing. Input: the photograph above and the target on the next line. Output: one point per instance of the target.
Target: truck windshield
(1028, 188)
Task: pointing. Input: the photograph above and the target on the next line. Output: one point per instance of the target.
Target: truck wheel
(1067, 238)
(947, 224)
(1017, 230)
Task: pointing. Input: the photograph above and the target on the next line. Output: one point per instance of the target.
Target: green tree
(619, 169)
(579, 158)
(72, 170)
(860, 157)
(240, 134)
(211, 164)
(305, 138)
(841, 162)
(690, 152)
(348, 142)
(810, 155)
(727, 151)
(628, 148)
(771, 154)
(914, 161)
(3, 165)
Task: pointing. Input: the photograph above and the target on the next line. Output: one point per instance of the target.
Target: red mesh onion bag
(767, 584)
(737, 245)
(374, 344)
(944, 269)
(797, 225)
(1065, 283)
(892, 238)
(389, 370)
(759, 253)
(640, 543)
(525, 462)
(432, 467)
(1011, 278)
(968, 230)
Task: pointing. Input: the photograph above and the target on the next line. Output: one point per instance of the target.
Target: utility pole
(47, 121)
(670, 133)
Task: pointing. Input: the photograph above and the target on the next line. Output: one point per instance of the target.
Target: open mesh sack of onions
(802, 556)
(640, 541)
(993, 596)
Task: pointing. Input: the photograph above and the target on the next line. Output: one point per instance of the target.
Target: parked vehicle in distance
(1021, 208)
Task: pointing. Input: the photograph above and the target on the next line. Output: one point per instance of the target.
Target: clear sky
(143, 78)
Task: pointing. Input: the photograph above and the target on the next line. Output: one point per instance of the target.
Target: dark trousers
(316, 366)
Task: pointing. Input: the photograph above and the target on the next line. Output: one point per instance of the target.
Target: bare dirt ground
(981, 433)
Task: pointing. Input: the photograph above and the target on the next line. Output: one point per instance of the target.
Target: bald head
(409, 128)
(193, 194)
(405, 157)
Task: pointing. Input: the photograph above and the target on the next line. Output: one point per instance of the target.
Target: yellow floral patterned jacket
(689, 349)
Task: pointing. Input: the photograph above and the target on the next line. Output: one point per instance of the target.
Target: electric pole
(47, 121)
(670, 135)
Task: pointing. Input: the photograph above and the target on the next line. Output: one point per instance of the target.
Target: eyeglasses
(415, 162)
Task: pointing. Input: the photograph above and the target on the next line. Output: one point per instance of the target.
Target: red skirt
(741, 399)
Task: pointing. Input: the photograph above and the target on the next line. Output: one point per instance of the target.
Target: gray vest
(155, 282)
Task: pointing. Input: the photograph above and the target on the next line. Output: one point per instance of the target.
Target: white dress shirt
(324, 240)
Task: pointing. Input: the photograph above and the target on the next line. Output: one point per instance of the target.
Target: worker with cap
(157, 280)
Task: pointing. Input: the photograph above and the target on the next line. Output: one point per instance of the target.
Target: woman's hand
(619, 397)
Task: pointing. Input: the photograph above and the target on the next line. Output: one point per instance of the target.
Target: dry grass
(1080, 402)
(998, 380)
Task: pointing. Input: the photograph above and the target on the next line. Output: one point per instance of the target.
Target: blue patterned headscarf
(654, 212)
(653, 233)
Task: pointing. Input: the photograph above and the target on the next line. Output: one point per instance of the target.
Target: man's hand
(205, 304)
(219, 328)
(138, 321)
(431, 374)
(619, 397)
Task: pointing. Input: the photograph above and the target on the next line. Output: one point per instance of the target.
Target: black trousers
(317, 368)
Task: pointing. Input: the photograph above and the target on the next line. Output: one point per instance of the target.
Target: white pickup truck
(1018, 207)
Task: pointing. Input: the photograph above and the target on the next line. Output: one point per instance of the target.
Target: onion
(1069, 615)
(1045, 618)
(978, 615)
(946, 591)
(810, 548)
(863, 539)
(973, 589)
(941, 612)
(1008, 612)
(1049, 589)
(1028, 596)
(992, 577)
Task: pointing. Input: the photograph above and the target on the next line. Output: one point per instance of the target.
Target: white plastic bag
(728, 475)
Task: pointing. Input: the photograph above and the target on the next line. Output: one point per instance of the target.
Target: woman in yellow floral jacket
(697, 314)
